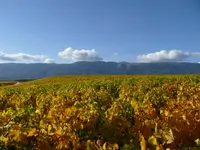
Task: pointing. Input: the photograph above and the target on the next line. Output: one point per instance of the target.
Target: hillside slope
(15, 71)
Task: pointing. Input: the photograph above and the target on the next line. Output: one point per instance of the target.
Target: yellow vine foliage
(102, 113)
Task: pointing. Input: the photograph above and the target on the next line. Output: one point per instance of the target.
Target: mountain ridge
(16, 71)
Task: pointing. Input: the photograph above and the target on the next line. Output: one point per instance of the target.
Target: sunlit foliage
(101, 112)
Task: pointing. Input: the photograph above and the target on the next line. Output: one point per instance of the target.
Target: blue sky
(110, 30)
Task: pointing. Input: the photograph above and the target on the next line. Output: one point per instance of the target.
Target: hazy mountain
(15, 71)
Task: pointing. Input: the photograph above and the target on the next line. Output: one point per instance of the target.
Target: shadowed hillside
(14, 71)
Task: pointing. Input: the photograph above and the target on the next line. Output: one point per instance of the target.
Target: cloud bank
(49, 61)
(21, 57)
(80, 55)
(167, 56)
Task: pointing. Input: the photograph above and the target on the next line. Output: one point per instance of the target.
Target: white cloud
(49, 61)
(167, 56)
(21, 57)
(80, 55)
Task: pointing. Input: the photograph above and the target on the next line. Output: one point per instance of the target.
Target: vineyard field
(4, 83)
(160, 112)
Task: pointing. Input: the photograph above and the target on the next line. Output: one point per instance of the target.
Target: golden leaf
(49, 128)
(197, 141)
(142, 142)
(38, 111)
(42, 125)
(166, 113)
(168, 136)
(152, 140)
(43, 131)
(105, 146)
(82, 126)
(4, 139)
(58, 132)
(184, 117)
(31, 132)
(115, 147)
(159, 147)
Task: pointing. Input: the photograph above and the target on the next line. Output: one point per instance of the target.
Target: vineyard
(101, 113)
(6, 83)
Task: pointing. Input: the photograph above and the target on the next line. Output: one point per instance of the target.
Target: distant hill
(16, 71)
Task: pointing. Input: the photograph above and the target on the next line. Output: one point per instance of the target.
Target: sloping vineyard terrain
(101, 113)
(4, 83)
